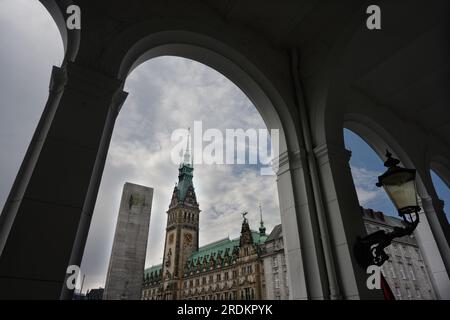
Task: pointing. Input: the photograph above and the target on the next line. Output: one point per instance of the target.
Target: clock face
(188, 238)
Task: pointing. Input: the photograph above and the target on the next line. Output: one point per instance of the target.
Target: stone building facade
(275, 267)
(405, 271)
(225, 269)
(254, 266)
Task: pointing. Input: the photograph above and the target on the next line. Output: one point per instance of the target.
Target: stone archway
(70, 38)
(52, 199)
(202, 49)
(376, 136)
(351, 91)
(56, 193)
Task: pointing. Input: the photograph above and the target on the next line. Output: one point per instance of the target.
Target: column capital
(58, 79)
(288, 161)
(429, 204)
(91, 83)
(118, 100)
(324, 151)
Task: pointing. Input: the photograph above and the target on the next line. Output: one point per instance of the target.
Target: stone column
(41, 220)
(88, 208)
(435, 253)
(434, 210)
(344, 220)
(57, 82)
(304, 260)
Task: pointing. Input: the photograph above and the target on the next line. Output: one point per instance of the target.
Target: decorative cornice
(326, 151)
(58, 80)
(118, 100)
(288, 161)
(91, 83)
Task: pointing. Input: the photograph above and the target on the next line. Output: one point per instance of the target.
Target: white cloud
(365, 179)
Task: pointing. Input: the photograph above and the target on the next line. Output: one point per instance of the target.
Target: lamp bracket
(369, 250)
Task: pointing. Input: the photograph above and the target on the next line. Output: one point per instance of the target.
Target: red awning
(387, 292)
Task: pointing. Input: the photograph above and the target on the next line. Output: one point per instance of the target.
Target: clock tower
(182, 228)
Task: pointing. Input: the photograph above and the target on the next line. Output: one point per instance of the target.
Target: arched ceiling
(404, 66)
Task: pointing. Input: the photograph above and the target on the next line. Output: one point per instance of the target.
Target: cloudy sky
(168, 93)
(165, 94)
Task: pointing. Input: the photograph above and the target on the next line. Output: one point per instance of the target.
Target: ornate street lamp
(400, 185)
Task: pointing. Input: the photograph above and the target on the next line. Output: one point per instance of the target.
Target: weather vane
(244, 214)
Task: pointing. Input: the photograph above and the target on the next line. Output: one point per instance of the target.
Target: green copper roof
(152, 269)
(222, 245)
(184, 180)
(185, 172)
(214, 248)
(258, 238)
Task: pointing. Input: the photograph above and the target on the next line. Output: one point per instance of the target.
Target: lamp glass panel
(403, 194)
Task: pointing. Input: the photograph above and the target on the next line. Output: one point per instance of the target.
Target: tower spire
(185, 172)
(262, 228)
(187, 159)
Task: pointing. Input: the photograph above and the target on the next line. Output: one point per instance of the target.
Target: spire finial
(262, 229)
(260, 213)
(243, 215)
(187, 160)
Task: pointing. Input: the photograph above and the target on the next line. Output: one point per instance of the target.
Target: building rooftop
(276, 233)
(214, 249)
(380, 217)
(220, 247)
(389, 222)
(153, 270)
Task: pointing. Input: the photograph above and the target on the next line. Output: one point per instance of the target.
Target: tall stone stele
(182, 229)
(126, 265)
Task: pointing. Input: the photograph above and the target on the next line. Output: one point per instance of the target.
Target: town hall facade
(224, 269)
